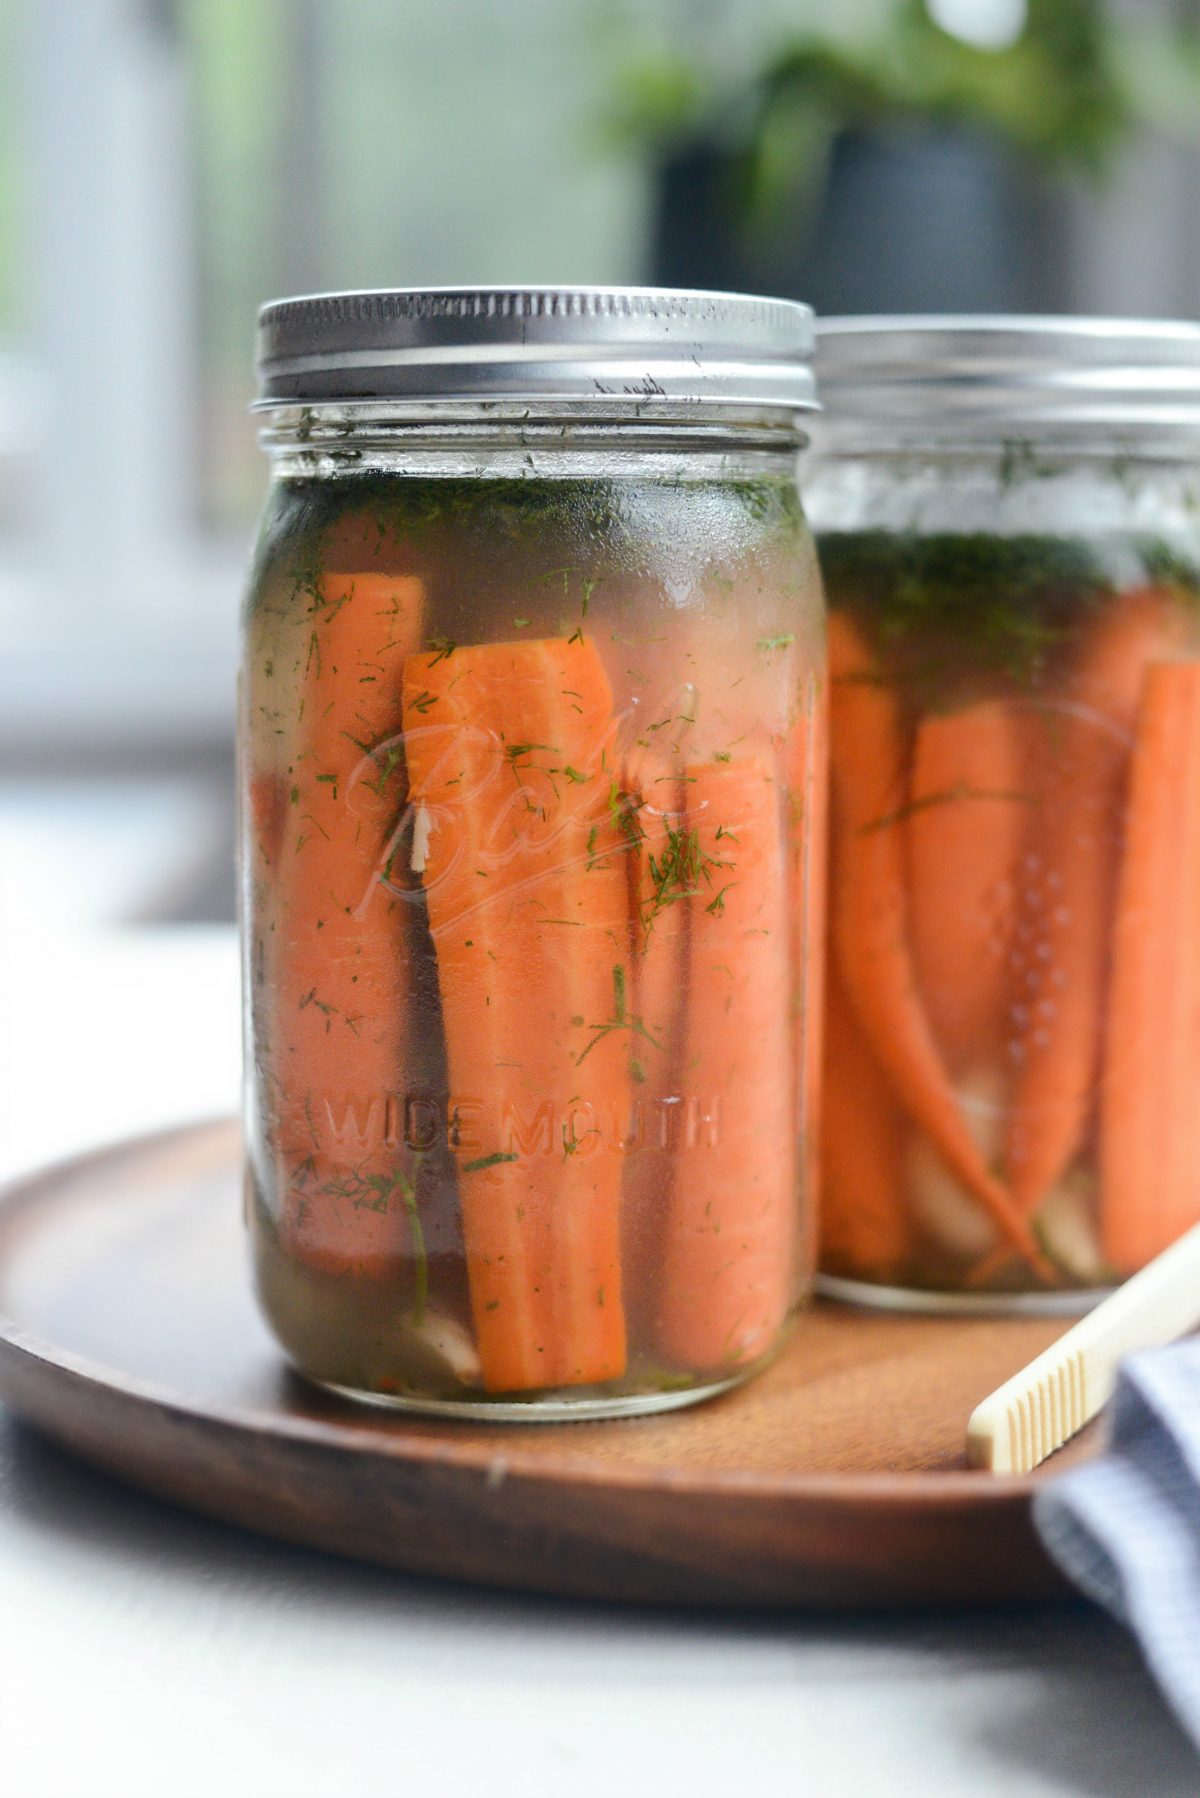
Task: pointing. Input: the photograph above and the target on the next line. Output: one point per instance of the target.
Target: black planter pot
(909, 221)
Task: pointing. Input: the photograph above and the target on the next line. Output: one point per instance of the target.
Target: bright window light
(991, 24)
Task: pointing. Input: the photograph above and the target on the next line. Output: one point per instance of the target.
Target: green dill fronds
(493, 1160)
(682, 871)
(376, 1192)
(620, 1020)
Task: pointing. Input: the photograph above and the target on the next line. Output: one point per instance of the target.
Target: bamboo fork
(1045, 1404)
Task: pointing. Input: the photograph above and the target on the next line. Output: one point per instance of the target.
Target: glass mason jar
(1008, 519)
(531, 722)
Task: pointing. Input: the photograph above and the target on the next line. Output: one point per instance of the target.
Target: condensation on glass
(532, 745)
(1008, 519)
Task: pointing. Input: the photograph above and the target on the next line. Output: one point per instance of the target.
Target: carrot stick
(808, 800)
(864, 1224)
(966, 825)
(1150, 1115)
(661, 878)
(870, 918)
(731, 1236)
(268, 811)
(516, 832)
(343, 954)
(1061, 951)
(268, 728)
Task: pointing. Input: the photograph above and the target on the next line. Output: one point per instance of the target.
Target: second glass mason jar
(1008, 518)
(532, 739)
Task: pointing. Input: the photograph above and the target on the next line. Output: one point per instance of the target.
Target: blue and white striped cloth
(1126, 1526)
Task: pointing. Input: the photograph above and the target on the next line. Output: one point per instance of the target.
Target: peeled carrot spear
(731, 1234)
(661, 877)
(1080, 765)
(869, 918)
(1150, 1097)
(262, 822)
(967, 819)
(343, 947)
(517, 836)
(864, 1221)
(268, 810)
(808, 802)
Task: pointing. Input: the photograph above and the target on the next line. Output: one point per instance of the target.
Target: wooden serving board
(836, 1480)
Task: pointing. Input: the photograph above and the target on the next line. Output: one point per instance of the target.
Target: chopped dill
(959, 614)
(514, 751)
(494, 1160)
(1011, 795)
(622, 812)
(310, 998)
(375, 1192)
(621, 1019)
(682, 870)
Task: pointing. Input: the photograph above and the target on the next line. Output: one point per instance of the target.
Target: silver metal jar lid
(977, 375)
(636, 346)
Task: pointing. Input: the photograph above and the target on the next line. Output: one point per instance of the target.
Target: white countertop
(145, 1653)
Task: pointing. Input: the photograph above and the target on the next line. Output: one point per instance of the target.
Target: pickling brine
(530, 821)
(1012, 1059)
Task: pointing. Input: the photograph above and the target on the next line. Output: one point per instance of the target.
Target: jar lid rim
(1080, 327)
(634, 346)
(973, 372)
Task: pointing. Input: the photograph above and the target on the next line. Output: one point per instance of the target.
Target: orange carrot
(1061, 951)
(660, 884)
(261, 827)
(516, 832)
(809, 806)
(864, 1225)
(268, 810)
(870, 917)
(1149, 1109)
(732, 1223)
(343, 950)
(967, 818)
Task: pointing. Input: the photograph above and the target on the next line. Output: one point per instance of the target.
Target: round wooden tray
(835, 1480)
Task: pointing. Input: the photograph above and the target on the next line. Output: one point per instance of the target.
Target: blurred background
(166, 165)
